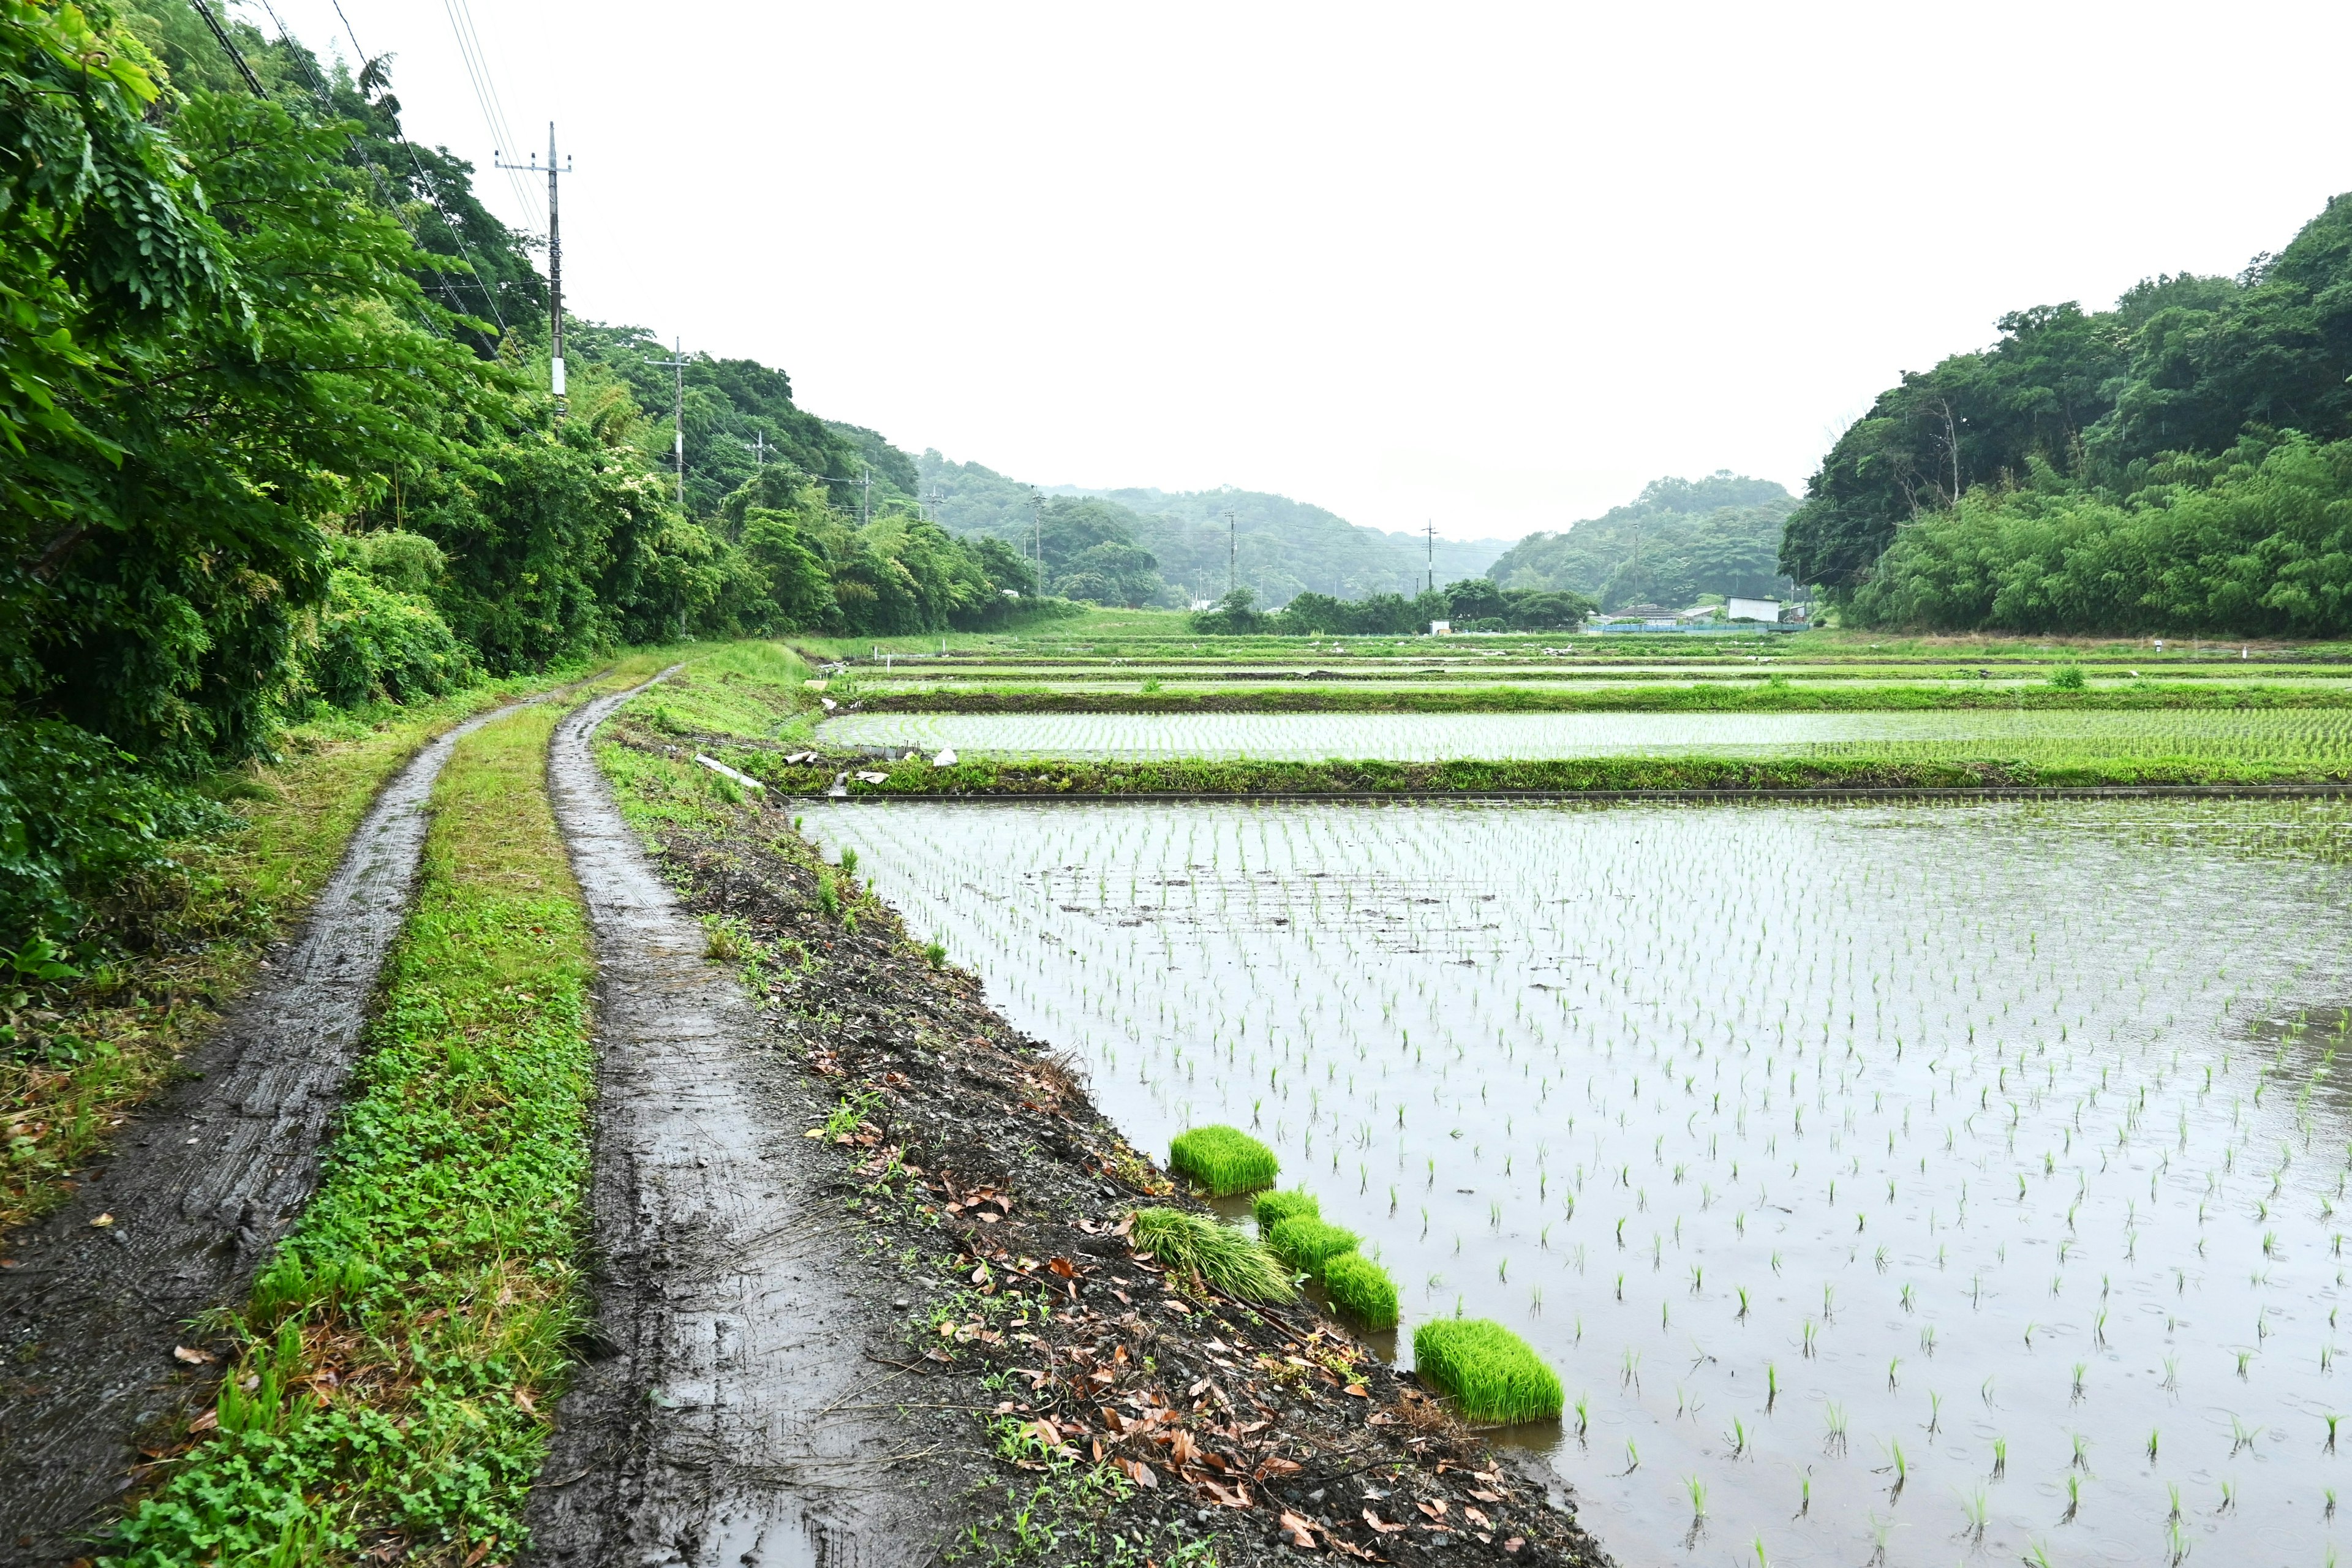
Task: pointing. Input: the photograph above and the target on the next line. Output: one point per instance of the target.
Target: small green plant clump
(1274, 1205)
(1308, 1244)
(1222, 1256)
(1222, 1158)
(1363, 1290)
(1486, 1368)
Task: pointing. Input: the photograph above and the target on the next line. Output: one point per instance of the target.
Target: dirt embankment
(200, 1186)
(1003, 1377)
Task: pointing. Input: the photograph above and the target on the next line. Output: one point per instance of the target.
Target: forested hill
(1675, 540)
(1285, 547)
(2180, 462)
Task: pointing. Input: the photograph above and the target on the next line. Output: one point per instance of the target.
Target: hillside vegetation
(2181, 462)
(1151, 547)
(1678, 540)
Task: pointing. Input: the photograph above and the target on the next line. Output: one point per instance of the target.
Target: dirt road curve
(719, 1425)
(200, 1185)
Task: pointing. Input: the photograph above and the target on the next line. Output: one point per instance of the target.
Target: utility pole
(1430, 527)
(759, 445)
(1233, 553)
(676, 365)
(554, 264)
(1037, 535)
(866, 499)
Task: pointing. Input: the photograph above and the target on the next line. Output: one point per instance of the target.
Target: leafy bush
(380, 643)
(1307, 1244)
(1273, 1208)
(1488, 1369)
(1361, 1289)
(1222, 1158)
(76, 819)
(1220, 1255)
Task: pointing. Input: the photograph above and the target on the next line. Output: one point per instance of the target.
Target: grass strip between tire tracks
(108, 1042)
(389, 1382)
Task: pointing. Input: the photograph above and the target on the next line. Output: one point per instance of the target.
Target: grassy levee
(394, 1369)
(112, 1040)
(1746, 695)
(1581, 775)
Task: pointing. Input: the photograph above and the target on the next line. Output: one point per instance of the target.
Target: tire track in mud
(715, 1422)
(198, 1188)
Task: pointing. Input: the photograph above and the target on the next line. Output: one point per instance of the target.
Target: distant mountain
(1282, 547)
(1678, 540)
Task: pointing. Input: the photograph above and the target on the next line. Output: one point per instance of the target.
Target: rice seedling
(1222, 1158)
(1222, 1257)
(1490, 1371)
(1361, 1289)
(1271, 1208)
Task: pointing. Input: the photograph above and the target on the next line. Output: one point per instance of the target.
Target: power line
(476, 59)
(424, 188)
(221, 35)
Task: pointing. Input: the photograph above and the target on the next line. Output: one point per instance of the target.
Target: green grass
(117, 1034)
(1222, 1158)
(1363, 1290)
(1306, 1242)
(1746, 691)
(1488, 1369)
(746, 691)
(1223, 1258)
(435, 1274)
(1580, 776)
(1275, 1207)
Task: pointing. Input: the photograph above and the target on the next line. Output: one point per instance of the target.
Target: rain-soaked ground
(198, 1187)
(1889, 1183)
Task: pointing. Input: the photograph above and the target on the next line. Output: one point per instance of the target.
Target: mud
(922, 1336)
(196, 1190)
(719, 1420)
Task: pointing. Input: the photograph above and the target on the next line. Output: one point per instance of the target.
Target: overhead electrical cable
(494, 114)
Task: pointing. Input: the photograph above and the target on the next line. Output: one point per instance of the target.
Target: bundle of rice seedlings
(1488, 1369)
(1361, 1289)
(1222, 1158)
(1274, 1206)
(1223, 1258)
(1307, 1244)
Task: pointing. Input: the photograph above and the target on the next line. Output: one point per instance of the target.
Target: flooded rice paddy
(1903, 1184)
(2310, 737)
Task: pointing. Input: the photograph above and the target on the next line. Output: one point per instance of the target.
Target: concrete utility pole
(759, 445)
(1233, 552)
(1037, 535)
(676, 365)
(1430, 527)
(866, 499)
(554, 261)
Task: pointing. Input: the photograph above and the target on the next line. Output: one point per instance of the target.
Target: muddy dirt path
(715, 1422)
(198, 1187)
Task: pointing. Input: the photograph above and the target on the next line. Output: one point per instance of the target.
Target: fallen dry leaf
(1301, 1532)
(1141, 1474)
(1382, 1525)
(1436, 1509)
(192, 1357)
(1477, 1518)
(102, 1222)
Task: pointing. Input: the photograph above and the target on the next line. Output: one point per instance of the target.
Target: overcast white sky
(1497, 265)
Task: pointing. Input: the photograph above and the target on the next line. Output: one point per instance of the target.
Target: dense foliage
(1679, 540)
(271, 437)
(2172, 464)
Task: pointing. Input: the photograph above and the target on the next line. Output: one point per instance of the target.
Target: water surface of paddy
(1882, 1169)
(2315, 737)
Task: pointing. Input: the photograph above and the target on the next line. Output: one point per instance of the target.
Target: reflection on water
(1948, 1179)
